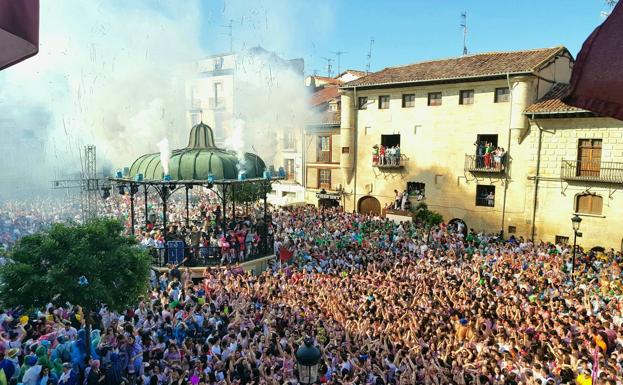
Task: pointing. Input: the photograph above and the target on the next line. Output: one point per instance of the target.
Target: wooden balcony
(479, 164)
(592, 171)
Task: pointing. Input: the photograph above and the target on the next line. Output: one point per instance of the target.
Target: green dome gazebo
(201, 164)
(200, 160)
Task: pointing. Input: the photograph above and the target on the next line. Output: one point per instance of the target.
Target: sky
(404, 31)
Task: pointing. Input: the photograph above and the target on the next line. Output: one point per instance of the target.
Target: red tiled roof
(551, 102)
(354, 72)
(464, 67)
(328, 80)
(324, 95)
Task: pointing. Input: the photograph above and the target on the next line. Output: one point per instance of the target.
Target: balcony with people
(488, 156)
(387, 155)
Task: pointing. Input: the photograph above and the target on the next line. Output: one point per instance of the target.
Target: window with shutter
(589, 157)
(589, 204)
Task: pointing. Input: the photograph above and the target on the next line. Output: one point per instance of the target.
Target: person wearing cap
(69, 376)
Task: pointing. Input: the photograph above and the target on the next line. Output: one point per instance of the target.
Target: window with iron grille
(466, 97)
(485, 195)
(383, 102)
(434, 98)
(561, 239)
(288, 138)
(289, 169)
(408, 100)
(324, 178)
(502, 95)
(362, 103)
(324, 148)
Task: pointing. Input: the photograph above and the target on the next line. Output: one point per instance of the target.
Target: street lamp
(307, 359)
(575, 222)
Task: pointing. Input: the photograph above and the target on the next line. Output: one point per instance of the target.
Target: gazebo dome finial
(201, 136)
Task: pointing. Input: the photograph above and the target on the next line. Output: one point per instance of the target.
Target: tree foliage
(426, 216)
(51, 266)
(250, 192)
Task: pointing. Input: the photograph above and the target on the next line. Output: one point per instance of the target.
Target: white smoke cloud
(165, 154)
(235, 142)
(113, 74)
(108, 73)
(271, 98)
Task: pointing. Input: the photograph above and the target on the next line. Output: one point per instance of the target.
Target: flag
(285, 254)
(597, 77)
(19, 31)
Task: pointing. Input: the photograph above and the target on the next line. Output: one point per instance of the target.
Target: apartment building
(577, 160)
(485, 139)
(322, 143)
(254, 85)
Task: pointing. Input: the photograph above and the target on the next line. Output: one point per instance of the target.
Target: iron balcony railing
(486, 164)
(216, 103)
(323, 156)
(388, 162)
(592, 170)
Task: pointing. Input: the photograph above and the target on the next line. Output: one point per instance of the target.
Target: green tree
(250, 192)
(426, 216)
(86, 265)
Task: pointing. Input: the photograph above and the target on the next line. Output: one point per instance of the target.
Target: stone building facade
(556, 160)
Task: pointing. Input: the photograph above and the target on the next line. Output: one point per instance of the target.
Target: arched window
(588, 204)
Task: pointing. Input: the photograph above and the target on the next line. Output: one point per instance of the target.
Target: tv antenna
(369, 56)
(464, 27)
(338, 54)
(230, 33)
(610, 4)
(329, 67)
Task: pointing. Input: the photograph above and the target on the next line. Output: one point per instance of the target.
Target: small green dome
(200, 158)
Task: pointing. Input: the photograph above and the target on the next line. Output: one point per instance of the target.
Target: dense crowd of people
(385, 302)
(26, 217)
(202, 236)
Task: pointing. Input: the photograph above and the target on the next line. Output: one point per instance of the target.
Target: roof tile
(324, 95)
(551, 101)
(464, 67)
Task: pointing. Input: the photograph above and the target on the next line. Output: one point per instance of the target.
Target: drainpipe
(536, 180)
(508, 152)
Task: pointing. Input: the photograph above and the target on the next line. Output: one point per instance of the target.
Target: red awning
(597, 78)
(19, 31)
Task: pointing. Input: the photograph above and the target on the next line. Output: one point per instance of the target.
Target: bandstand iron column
(265, 227)
(233, 202)
(145, 192)
(133, 190)
(164, 195)
(187, 213)
(224, 210)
